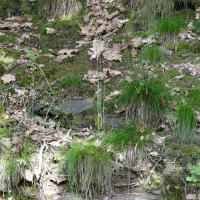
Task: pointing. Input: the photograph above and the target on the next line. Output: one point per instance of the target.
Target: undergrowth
(184, 123)
(144, 101)
(88, 168)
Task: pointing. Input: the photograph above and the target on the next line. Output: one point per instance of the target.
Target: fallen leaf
(134, 52)
(179, 77)
(27, 24)
(136, 42)
(7, 78)
(153, 153)
(50, 30)
(28, 175)
(112, 55)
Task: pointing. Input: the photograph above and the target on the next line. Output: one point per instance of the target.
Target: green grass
(69, 81)
(194, 97)
(169, 28)
(152, 54)
(144, 101)
(14, 164)
(123, 138)
(184, 123)
(88, 169)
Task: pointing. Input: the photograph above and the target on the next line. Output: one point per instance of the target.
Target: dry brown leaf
(19, 40)
(179, 77)
(136, 42)
(111, 72)
(9, 25)
(34, 49)
(87, 30)
(50, 30)
(153, 153)
(7, 78)
(134, 52)
(67, 52)
(117, 47)
(197, 13)
(14, 19)
(112, 94)
(112, 55)
(81, 43)
(27, 24)
(28, 175)
(86, 18)
(25, 35)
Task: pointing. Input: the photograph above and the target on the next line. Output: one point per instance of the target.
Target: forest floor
(90, 106)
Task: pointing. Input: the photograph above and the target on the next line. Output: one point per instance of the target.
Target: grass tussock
(144, 101)
(125, 137)
(152, 54)
(13, 165)
(184, 124)
(88, 168)
(169, 27)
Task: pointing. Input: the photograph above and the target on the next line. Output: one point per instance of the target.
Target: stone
(74, 106)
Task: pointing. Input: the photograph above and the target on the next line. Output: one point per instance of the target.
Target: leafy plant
(144, 101)
(88, 168)
(195, 173)
(152, 54)
(32, 56)
(184, 124)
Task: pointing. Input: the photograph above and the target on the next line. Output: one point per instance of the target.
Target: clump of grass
(169, 28)
(13, 165)
(125, 137)
(184, 124)
(144, 101)
(88, 169)
(152, 54)
(194, 97)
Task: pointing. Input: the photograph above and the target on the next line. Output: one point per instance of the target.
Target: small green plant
(194, 178)
(152, 54)
(88, 168)
(144, 101)
(184, 124)
(169, 28)
(32, 56)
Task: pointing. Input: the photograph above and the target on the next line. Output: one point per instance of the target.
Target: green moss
(173, 191)
(5, 38)
(42, 59)
(25, 81)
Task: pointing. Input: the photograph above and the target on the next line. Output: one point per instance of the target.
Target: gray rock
(112, 122)
(165, 50)
(74, 106)
(187, 55)
(136, 197)
(38, 107)
(69, 196)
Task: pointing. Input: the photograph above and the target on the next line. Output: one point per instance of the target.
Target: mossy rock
(42, 59)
